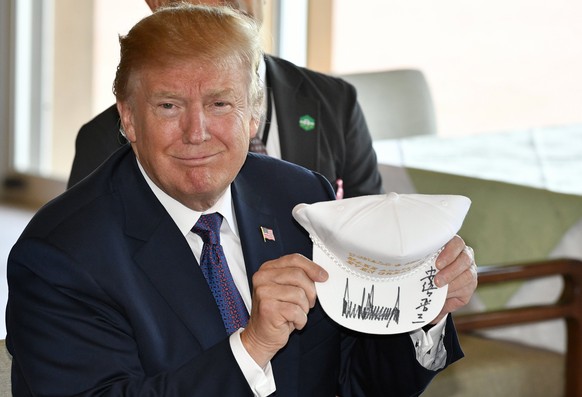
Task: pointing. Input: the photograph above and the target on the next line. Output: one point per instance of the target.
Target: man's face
(190, 125)
(253, 8)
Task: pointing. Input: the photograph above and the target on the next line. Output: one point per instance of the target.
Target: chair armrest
(567, 307)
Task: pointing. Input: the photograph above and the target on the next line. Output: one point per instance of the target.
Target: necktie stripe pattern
(215, 269)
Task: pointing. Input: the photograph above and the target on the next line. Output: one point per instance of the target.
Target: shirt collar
(184, 217)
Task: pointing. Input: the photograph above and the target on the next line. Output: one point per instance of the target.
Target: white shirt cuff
(430, 347)
(261, 381)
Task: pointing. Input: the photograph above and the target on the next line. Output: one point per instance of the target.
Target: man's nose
(194, 128)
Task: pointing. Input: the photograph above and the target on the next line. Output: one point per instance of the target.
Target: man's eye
(220, 104)
(167, 106)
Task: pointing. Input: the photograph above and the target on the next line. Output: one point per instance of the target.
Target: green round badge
(307, 122)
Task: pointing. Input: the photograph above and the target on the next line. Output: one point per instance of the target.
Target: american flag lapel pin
(267, 234)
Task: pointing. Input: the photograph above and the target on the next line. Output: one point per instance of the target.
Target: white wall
(492, 64)
(112, 18)
(5, 59)
(115, 17)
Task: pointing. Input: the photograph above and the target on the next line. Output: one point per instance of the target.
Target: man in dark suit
(107, 292)
(315, 121)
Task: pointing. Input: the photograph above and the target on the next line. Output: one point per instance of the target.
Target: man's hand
(283, 293)
(457, 268)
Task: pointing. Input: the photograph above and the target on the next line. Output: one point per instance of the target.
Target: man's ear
(126, 118)
(253, 127)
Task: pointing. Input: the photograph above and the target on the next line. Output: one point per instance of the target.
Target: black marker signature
(366, 310)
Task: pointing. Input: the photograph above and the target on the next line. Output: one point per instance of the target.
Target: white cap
(380, 254)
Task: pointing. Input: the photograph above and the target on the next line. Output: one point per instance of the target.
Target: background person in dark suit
(106, 295)
(315, 121)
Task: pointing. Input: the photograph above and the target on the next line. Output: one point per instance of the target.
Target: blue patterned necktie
(215, 269)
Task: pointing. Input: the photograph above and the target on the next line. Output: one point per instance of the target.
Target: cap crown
(383, 235)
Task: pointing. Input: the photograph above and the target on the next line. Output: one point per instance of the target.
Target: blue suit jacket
(106, 298)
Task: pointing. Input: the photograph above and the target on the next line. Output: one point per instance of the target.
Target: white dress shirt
(261, 380)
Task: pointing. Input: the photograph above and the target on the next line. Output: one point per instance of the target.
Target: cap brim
(380, 305)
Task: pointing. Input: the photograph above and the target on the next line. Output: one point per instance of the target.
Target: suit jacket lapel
(165, 257)
(292, 108)
(251, 215)
(163, 254)
(158, 246)
(177, 276)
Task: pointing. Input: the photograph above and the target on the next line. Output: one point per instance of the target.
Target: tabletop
(547, 158)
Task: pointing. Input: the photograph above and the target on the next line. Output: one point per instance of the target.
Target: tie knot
(208, 228)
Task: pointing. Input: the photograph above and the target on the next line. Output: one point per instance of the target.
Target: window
(61, 57)
(492, 65)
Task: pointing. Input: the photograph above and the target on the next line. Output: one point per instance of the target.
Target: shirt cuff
(260, 380)
(429, 346)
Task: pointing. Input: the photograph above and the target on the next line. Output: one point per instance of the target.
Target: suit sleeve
(61, 311)
(380, 365)
(95, 142)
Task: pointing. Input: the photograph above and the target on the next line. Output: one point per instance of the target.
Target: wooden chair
(492, 364)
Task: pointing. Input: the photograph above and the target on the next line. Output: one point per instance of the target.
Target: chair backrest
(5, 370)
(396, 103)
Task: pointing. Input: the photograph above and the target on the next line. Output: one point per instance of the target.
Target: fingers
(454, 260)
(460, 290)
(459, 271)
(283, 293)
(289, 279)
(286, 289)
(281, 314)
(450, 252)
(296, 261)
(463, 286)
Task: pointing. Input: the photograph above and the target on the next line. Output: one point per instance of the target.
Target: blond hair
(182, 31)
